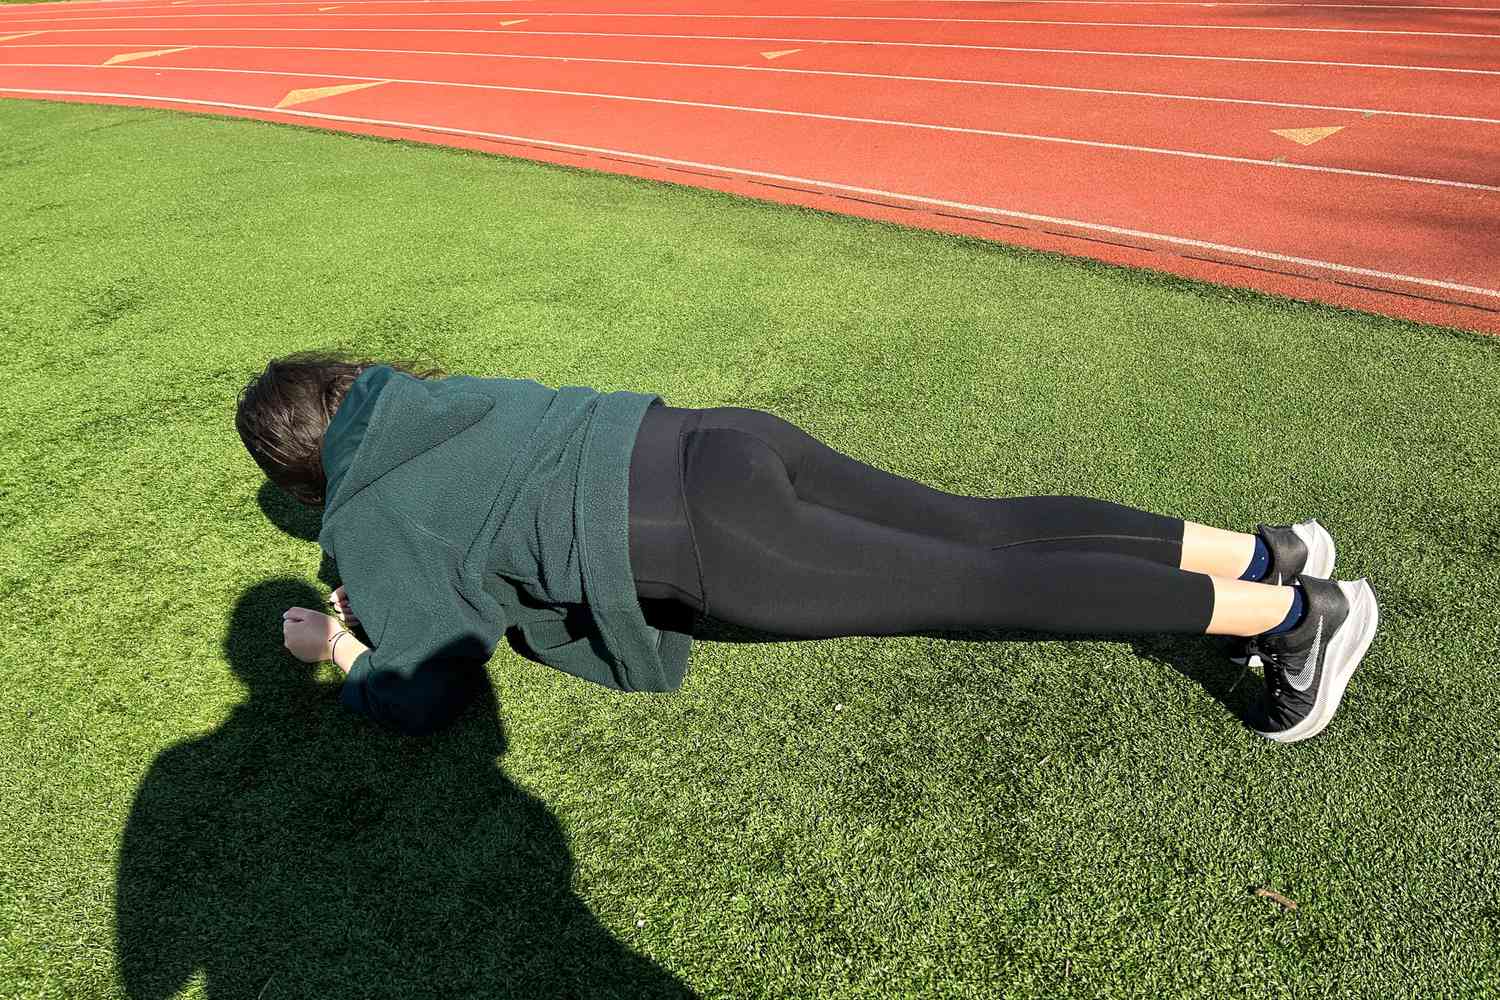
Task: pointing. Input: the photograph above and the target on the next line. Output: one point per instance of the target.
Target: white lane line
(787, 178)
(804, 72)
(827, 41)
(776, 17)
(814, 115)
(1142, 3)
(120, 4)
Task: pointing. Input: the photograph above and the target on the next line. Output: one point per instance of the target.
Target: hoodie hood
(357, 452)
(347, 428)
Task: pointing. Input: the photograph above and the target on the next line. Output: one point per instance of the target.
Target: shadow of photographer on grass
(300, 851)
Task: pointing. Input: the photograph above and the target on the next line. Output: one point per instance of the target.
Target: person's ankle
(1294, 614)
(1260, 562)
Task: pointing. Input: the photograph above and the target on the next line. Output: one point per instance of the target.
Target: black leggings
(742, 516)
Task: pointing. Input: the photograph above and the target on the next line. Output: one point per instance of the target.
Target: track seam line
(787, 69)
(817, 115)
(833, 185)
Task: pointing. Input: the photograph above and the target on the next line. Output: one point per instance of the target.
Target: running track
(1345, 152)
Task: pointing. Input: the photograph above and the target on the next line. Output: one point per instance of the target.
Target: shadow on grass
(1202, 659)
(299, 850)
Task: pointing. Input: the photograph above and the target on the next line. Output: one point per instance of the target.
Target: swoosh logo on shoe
(1303, 678)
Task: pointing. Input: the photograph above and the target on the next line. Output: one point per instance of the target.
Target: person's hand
(340, 601)
(307, 633)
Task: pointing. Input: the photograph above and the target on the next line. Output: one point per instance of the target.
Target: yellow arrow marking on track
(778, 55)
(296, 97)
(126, 57)
(507, 24)
(1307, 136)
(11, 38)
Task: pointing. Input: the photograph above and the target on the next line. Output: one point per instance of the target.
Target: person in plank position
(597, 525)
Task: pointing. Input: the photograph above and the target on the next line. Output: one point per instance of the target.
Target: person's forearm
(346, 650)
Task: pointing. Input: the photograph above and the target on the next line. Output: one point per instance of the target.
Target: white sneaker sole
(1347, 647)
(1321, 552)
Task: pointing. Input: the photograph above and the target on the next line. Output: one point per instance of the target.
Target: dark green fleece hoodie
(459, 507)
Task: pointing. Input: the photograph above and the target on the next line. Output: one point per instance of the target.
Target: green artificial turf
(187, 807)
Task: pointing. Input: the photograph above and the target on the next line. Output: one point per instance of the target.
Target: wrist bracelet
(332, 655)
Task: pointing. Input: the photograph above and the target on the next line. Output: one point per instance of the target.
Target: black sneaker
(1308, 668)
(1295, 549)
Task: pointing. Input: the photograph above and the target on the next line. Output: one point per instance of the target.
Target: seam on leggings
(687, 514)
(686, 598)
(792, 476)
(791, 473)
(682, 486)
(1084, 538)
(993, 548)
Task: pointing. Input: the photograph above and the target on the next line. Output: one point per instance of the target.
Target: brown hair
(284, 412)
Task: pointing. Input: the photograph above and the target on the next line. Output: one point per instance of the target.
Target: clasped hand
(307, 634)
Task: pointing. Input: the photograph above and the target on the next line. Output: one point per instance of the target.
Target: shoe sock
(1294, 616)
(1260, 562)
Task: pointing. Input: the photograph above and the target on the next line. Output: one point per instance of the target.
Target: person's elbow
(437, 706)
(417, 722)
(420, 718)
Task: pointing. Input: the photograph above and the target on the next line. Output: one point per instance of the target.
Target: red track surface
(1136, 133)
